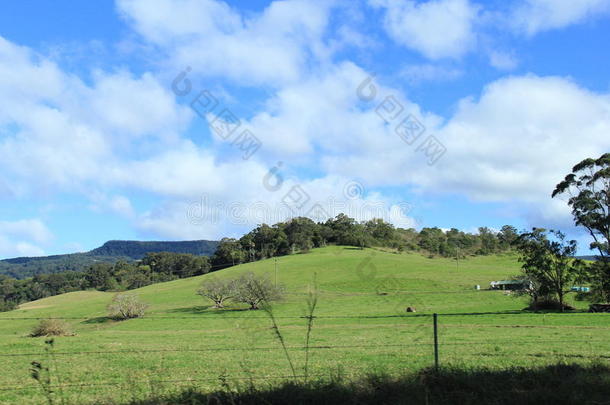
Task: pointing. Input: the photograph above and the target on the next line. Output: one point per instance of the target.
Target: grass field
(361, 326)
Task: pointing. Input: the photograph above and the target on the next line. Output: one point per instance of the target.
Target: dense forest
(110, 252)
(294, 236)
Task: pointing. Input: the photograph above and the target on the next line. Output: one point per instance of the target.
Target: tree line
(302, 234)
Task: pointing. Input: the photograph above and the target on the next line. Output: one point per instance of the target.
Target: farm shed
(511, 285)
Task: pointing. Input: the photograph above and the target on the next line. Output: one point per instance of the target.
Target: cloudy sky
(197, 119)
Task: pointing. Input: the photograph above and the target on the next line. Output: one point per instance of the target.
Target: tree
(229, 253)
(431, 239)
(380, 230)
(126, 306)
(300, 233)
(255, 290)
(588, 188)
(99, 276)
(218, 291)
(343, 230)
(489, 241)
(548, 264)
(507, 236)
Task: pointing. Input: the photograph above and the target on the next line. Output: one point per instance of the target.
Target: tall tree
(507, 236)
(549, 263)
(588, 189)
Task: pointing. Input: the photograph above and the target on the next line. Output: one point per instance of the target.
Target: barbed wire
(227, 315)
(312, 347)
(213, 349)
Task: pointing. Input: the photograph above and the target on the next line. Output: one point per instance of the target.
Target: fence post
(435, 320)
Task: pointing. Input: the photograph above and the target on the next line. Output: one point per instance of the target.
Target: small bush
(51, 327)
(126, 306)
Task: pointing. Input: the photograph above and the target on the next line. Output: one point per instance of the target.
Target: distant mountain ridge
(111, 251)
(138, 249)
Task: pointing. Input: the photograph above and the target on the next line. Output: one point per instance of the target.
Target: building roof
(508, 282)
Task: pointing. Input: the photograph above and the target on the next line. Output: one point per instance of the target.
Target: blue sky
(99, 138)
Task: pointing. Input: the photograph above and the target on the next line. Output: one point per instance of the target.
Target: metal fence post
(435, 319)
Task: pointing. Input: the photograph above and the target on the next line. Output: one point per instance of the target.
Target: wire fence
(436, 345)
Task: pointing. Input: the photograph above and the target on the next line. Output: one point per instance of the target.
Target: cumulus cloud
(126, 131)
(435, 28)
(324, 118)
(418, 74)
(23, 237)
(71, 130)
(533, 16)
(115, 204)
(271, 47)
(521, 137)
(512, 143)
(503, 60)
(208, 216)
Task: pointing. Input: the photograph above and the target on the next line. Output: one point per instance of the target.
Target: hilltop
(110, 252)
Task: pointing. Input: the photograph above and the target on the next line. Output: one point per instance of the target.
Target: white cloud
(187, 171)
(122, 206)
(520, 138)
(323, 117)
(533, 16)
(126, 105)
(503, 60)
(271, 47)
(23, 237)
(61, 133)
(418, 74)
(29, 229)
(10, 249)
(512, 144)
(116, 204)
(435, 28)
(212, 216)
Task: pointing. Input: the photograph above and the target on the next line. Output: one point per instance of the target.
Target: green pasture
(361, 326)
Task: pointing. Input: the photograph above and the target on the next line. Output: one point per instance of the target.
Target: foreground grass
(361, 328)
(558, 384)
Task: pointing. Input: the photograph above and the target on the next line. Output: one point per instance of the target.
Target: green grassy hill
(361, 326)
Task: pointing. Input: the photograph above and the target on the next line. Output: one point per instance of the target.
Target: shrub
(51, 327)
(255, 290)
(126, 306)
(218, 291)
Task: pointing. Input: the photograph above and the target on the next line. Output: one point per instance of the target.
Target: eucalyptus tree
(588, 190)
(548, 264)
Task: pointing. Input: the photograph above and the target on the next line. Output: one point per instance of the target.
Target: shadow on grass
(206, 310)
(99, 319)
(559, 384)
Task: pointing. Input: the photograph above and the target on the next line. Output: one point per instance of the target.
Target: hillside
(361, 325)
(110, 251)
